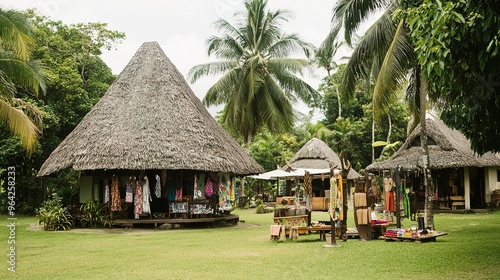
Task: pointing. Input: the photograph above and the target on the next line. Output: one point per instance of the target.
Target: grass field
(471, 250)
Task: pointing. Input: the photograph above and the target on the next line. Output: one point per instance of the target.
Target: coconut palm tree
(325, 58)
(384, 54)
(259, 81)
(18, 72)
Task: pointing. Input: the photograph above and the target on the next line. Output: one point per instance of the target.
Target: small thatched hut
(458, 173)
(150, 123)
(317, 157)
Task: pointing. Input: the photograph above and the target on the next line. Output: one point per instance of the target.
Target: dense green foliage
(52, 216)
(458, 47)
(77, 78)
(19, 73)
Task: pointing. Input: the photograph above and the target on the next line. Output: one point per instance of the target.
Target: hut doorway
(476, 187)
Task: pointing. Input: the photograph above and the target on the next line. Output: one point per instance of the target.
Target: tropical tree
(386, 55)
(259, 81)
(19, 73)
(325, 58)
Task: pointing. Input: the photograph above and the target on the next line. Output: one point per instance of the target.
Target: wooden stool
(294, 233)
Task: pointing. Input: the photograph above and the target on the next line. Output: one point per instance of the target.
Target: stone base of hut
(183, 222)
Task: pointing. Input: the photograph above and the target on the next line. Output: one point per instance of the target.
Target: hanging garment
(232, 184)
(158, 186)
(340, 203)
(129, 195)
(333, 195)
(201, 186)
(106, 192)
(146, 196)
(195, 188)
(406, 202)
(115, 195)
(223, 193)
(390, 202)
(138, 199)
(209, 187)
(178, 194)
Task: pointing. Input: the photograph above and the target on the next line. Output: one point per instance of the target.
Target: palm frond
(399, 59)
(349, 14)
(27, 75)
(15, 34)
(19, 124)
(211, 69)
(371, 48)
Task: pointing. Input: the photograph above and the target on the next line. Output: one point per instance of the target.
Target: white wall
(491, 182)
(85, 188)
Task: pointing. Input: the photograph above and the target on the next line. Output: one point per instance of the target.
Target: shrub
(92, 214)
(53, 216)
(260, 209)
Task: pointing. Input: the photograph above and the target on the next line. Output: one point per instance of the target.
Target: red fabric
(390, 202)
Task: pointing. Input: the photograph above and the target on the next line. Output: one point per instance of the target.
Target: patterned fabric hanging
(138, 199)
(209, 187)
(129, 195)
(340, 202)
(106, 192)
(333, 197)
(158, 186)
(146, 196)
(115, 195)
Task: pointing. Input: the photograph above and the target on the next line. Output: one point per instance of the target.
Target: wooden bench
(457, 200)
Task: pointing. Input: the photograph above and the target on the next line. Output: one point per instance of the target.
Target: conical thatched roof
(317, 154)
(448, 148)
(150, 119)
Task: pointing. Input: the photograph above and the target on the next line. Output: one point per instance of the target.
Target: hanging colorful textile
(201, 186)
(406, 201)
(115, 195)
(138, 199)
(178, 193)
(129, 196)
(158, 186)
(340, 202)
(106, 192)
(307, 190)
(209, 187)
(333, 197)
(390, 202)
(146, 196)
(224, 200)
(232, 184)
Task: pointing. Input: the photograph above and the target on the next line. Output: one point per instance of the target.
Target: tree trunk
(373, 137)
(422, 87)
(390, 129)
(340, 104)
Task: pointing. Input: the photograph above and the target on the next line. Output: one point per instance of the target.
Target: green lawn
(471, 250)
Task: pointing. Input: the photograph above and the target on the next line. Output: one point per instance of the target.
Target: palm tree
(385, 54)
(17, 71)
(325, 58)
(259, 81)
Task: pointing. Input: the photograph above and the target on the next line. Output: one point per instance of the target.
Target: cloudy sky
(180, 27)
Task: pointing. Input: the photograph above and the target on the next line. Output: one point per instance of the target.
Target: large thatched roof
(448, 148)
(150, 119)
(317, 154)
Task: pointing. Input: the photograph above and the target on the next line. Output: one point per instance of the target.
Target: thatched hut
(150, 123)
(461, 177)
(316, 157)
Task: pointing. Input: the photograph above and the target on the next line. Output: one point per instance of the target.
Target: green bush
(260, 209)
(53, 216)
(92, 215)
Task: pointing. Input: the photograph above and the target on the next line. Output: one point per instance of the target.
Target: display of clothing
(138, 199)
(158, 186)
(209, 187)
(106, 192)
(146, 196)
(129, 195)
(115, 195)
